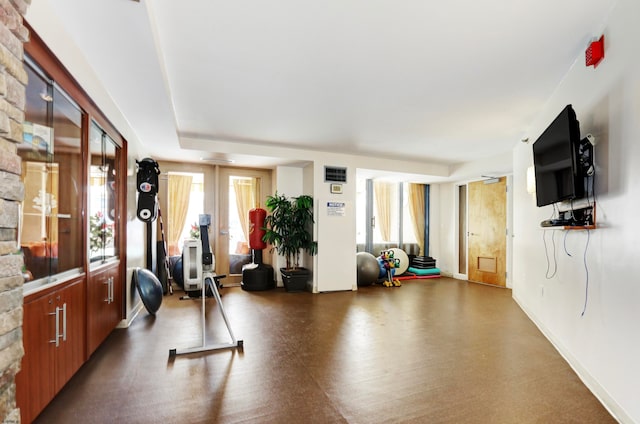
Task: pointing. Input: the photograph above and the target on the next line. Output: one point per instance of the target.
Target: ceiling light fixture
(217, 160)
(490, 180)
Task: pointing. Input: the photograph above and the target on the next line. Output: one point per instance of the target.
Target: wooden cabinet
(74, 172)
(63, 325)
(54, 344)
(104, 302)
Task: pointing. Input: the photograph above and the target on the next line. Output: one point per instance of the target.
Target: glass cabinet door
(103, 174)
(50, 232)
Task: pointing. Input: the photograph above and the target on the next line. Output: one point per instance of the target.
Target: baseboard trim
(126, 323)
(592, 384)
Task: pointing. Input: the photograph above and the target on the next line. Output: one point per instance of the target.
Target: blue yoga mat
(428, 271)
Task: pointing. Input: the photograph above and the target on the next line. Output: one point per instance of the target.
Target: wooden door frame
(219, 241)
(510, 235)
(459, 275)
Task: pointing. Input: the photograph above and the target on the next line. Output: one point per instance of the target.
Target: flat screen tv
(558, 174)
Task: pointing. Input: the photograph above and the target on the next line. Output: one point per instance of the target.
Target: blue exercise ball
(368, 269)
(381, 267)
(177, 272)
(149, 289)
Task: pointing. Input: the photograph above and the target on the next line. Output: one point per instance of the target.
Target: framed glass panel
(243, 195)
(51, 213)
(408, 232)
(384, 218)
(67, 161)
(103, 175)
(185, 201)
(386, 232)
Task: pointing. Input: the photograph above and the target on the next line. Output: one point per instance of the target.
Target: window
(391, 214)
(243, 196)
(185, 203)
(386, 211)
(409, 235)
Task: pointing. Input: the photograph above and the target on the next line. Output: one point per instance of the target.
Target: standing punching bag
(257, 276)
(147, 180)
(256, 232)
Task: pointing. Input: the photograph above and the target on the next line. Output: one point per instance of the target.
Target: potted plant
(288, 228)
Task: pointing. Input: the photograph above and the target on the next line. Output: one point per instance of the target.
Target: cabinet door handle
(64, 322)
(108, 284)
(56, 340)
(109, 290)
(59, 336)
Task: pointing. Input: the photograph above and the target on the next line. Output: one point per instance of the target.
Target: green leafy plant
(194, 232)
(100, 233)
(289, 227)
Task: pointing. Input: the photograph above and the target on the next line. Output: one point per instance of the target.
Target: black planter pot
(295, 280)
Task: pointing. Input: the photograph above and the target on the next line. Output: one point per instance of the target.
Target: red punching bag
(256, 222)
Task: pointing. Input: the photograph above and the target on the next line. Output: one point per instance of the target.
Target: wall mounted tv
(559, 175)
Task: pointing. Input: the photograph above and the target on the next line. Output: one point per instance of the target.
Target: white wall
(288, 181)
(336, 236)
(603, 345)
(335, 267)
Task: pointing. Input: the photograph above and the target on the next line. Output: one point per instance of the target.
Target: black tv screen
(558, 176)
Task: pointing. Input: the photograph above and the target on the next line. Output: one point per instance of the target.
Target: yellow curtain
(382, 193)
(245, 189)
(178, 202)
(416, 209)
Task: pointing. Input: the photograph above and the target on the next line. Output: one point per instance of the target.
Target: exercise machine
(198, 265)
(148, 210)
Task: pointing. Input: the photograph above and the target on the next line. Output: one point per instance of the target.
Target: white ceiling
(444, 82)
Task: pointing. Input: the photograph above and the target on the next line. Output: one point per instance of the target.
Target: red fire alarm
(595, 52)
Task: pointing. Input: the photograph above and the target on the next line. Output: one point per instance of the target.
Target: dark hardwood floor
(431, 351)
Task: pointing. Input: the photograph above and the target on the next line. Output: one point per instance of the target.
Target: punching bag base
(257, 278)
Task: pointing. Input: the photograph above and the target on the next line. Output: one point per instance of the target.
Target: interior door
(487, 231)
(240, 190)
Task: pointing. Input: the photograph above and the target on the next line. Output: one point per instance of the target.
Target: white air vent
(335, 175)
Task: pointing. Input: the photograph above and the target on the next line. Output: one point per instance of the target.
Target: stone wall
(13, 79)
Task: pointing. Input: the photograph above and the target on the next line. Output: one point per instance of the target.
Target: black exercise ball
(177, 274)
(149, 289)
